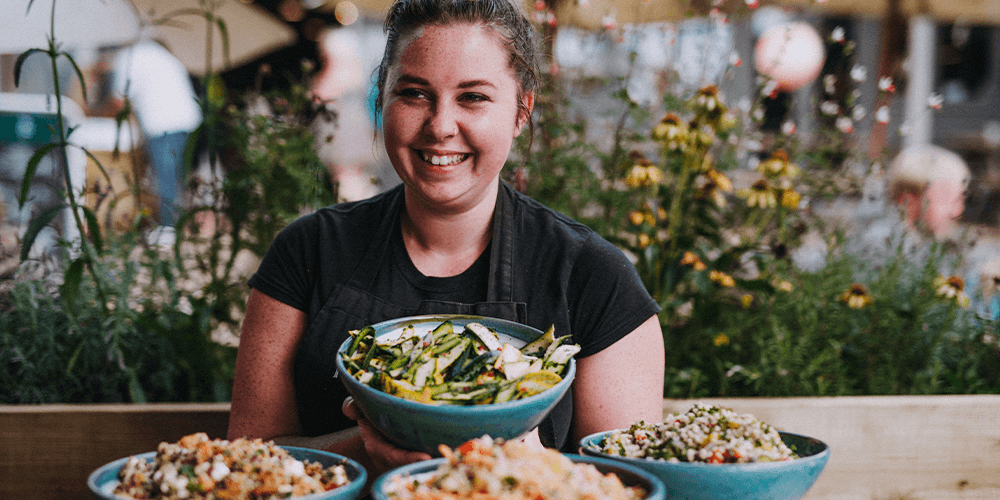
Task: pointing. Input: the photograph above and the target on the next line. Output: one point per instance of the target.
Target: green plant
(739, 318)
(133, 323)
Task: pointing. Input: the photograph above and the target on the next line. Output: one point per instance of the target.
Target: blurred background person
(162, 97)
(345, 135)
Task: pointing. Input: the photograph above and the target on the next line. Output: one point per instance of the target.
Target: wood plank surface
(49, 451)
(891, 448)
(883, 448)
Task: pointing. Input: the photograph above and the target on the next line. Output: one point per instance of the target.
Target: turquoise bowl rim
(107, 473)
(657, 490)
(820, 456)
(555, 393)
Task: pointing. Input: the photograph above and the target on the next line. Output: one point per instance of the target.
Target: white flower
(858, 113)
(882, 114)
(788, 128)
(758, 114)
(934, 101)
(885, 84)
(829, 108)
(830, 84)
(845, 124)
(744, 104)
(769, 87)
(837, 34)
(859, 73)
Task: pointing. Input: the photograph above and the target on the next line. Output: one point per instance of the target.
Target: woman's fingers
(383, 454)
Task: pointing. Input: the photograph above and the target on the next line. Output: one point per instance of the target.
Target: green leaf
(135, 390)
(79, 74)
(93, 228)
(70, 288)
(29, 172)
(37, 224)
(20, 61)
(98, 163)
(224, 33)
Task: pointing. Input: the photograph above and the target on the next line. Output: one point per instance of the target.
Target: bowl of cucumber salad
(424, 381)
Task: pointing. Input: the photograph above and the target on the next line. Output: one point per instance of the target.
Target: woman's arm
(264, 394)
(621, 384)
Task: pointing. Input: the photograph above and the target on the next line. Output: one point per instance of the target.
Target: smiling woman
(456, 85)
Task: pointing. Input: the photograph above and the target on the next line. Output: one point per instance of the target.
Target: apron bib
(351, 306)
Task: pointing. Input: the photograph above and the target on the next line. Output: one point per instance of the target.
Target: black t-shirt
(563, 274)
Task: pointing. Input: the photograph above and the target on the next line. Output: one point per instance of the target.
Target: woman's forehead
(458, 33)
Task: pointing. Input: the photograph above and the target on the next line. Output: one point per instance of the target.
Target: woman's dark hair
(503, 16)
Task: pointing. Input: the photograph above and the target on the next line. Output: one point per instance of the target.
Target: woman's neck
(446, 244)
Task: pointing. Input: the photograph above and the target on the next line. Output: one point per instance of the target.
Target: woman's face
(451, 115)
(945, 199)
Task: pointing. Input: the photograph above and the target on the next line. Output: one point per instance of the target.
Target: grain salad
(704, 433)
(197, 468)
(487, 469)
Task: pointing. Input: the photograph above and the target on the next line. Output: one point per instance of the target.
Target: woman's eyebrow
(416, 80)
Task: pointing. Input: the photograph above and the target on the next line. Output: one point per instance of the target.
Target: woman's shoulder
(532, 214)
(541, 226)
(345, 218)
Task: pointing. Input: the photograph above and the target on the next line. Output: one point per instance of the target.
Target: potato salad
(198, 468)
(487, 469)
(705, 433)
(460, 366)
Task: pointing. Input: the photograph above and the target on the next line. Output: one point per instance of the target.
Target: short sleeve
(284, 272)
(607, 298)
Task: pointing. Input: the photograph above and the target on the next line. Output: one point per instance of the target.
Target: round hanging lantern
(792, 55)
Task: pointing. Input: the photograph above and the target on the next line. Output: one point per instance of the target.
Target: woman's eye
(473, 97)
(410, 92)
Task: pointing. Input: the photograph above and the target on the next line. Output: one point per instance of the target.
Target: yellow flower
(721, 278)
(720, 340)
(746, 300)
(661, 213)
(784, 286)
(708, 105)
(856, 296)
(644, 174)
(760, 194)
(713, 184)
(643, 240)
(790, 198)
(671, 131)
(636, 217)
(778, 165)
(690, 259)
(952, 287)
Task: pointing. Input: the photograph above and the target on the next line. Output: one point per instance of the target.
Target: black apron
(351, 306)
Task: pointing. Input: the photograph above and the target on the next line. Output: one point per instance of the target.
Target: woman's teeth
(443, 160)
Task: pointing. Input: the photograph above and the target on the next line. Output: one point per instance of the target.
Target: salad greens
(466, 366)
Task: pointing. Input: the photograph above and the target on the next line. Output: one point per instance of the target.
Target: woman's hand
(384, 455)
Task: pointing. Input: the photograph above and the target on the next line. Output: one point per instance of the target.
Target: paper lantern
(792, 55)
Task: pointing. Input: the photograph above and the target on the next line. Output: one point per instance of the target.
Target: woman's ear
(524, 112)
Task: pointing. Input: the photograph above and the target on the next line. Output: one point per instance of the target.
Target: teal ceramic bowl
(785, 480)
(103, 481)
(422, 427)
(629, 475)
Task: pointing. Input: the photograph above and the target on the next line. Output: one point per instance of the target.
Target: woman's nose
(442, 122)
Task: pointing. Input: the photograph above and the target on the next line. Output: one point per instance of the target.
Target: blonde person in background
(929, 184)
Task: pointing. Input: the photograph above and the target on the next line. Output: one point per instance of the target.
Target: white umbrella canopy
(182, 27)
(78, 24)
